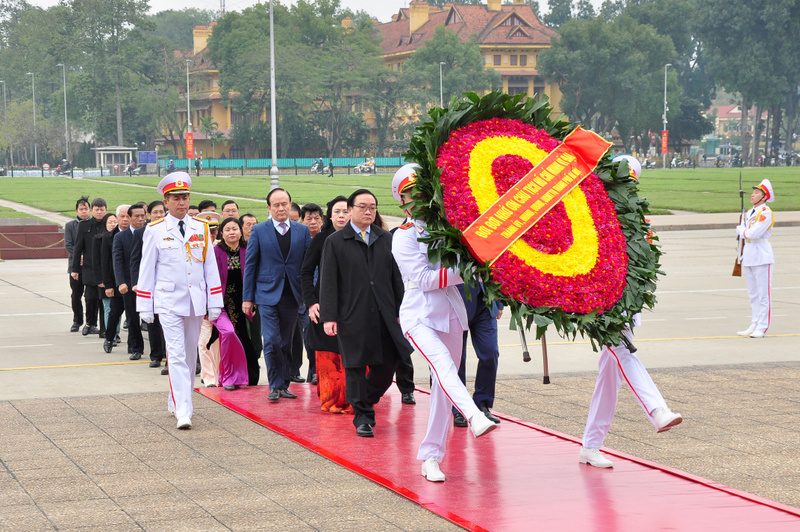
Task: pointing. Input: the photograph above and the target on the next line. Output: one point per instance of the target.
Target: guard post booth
(114, 160)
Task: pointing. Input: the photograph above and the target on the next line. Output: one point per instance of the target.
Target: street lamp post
(441, 92)
(188, 119)
(35, 145)
(66, 126)
(273, 171)
(664, 117)
(5, 113)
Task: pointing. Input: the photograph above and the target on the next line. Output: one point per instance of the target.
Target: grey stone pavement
(86, 441)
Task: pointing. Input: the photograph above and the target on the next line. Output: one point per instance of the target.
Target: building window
(523, 60)
(453, 18)
(237, 152)
(487, 59)
(517, 85)
(513, 60)
(511, 21)
(497, 60)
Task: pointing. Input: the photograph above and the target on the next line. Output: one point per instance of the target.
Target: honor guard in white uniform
(757, 259)
(433, 318)
(179, 281)
(618, 364)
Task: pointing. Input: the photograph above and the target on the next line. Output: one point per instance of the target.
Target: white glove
(213, 314)
(147, 317)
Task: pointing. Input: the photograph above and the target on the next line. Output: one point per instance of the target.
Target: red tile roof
(475, 19)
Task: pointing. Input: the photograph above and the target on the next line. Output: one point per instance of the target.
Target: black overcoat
(84, 248)
(317, 339)
(360, 285)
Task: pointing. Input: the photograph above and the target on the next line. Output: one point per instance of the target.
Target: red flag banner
(189, 145)
(534, 195)
(664, 137)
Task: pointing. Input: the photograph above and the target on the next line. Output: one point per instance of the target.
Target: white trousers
(759, 288)
(617, 364)
(209, 358)
(442, 351)
(180, 341)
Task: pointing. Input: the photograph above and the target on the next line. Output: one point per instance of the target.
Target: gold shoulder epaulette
(406, 225)
(157, 221)
(200, 219)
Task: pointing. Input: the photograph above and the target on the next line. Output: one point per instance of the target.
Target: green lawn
(5, 212)
(699, 190)
(717, 189)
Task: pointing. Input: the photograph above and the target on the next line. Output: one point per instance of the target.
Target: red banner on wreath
(534, 195)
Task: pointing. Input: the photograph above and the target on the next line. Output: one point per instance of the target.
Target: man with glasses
(179, 281)
(360, 295)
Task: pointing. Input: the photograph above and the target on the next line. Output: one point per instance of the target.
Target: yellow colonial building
(510, 38)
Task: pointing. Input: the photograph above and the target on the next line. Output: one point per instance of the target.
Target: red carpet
(519, 477)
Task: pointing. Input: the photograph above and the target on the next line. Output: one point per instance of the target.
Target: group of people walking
(358, 297)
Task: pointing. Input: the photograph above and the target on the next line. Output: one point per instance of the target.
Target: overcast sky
(379, 9)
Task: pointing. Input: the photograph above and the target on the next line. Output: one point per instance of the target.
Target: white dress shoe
(757, 334)
(480, 424)
(185, 423)
(664, 419)
(593, 457)
(747, 332)
(431, 471)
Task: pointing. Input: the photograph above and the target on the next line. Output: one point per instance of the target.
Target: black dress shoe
(93, 330)
(85, 330)
(459, 421)
(155, 363)
(297, 379)
(286, 393)
(135, 356)
(197, 369)
(107, 345)
(143, 326)
(117, 340)
(75, 327)
(274, 395)
(408, 399)
(230, 387)
(314, 380)
(125, 324)
(365, 431)
(101, 333)
(165, 371)
(493, 418)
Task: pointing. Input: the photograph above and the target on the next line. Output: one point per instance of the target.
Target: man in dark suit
(275, 254)
(123, 246)
(360, 294)
(155, 335)
(483, 330)
(82, 212)
(83, 266)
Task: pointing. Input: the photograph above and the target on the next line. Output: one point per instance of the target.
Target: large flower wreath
(586, 267)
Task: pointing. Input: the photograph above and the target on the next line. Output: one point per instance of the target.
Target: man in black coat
(83, 266)
(82, 212)
(155, 335)
(360, 294)
(123, 247)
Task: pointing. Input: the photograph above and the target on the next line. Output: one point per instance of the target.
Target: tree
(610, 73)
(560, 12)
(463, 69)
(177, 26)
(752, 50)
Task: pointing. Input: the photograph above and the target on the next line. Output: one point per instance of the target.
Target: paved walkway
(87, 441)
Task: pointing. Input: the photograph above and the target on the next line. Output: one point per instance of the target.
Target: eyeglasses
(366, 208)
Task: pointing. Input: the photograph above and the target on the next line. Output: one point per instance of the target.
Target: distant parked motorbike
(649, 165)
(318, 168)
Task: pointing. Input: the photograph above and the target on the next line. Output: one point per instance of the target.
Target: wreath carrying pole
(546, 369)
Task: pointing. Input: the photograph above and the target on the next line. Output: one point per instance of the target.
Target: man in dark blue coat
(123, 247)
(483, 330)
(275, 252)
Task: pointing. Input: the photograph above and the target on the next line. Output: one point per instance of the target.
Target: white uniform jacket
(178, 271)
(431, 295)
(756, 230)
